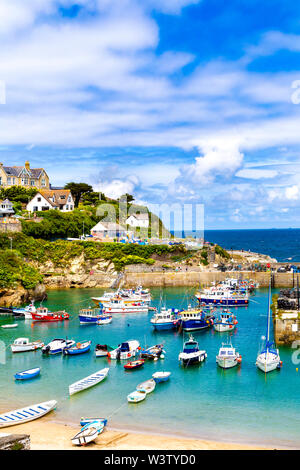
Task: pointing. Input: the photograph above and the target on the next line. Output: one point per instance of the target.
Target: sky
(174, 101)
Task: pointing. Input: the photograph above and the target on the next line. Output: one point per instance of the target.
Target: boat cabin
(21, 341)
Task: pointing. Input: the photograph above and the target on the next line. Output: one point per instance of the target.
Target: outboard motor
(46, 349)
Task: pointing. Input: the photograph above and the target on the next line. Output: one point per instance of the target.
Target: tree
(78, 189)
(126, 198)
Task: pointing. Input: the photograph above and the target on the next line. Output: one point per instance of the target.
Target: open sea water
(239, 404)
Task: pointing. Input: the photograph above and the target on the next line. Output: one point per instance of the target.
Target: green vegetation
(223, 253)
(14, 271)
(18, 194)
(77, 190)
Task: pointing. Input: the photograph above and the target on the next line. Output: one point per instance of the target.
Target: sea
(201, 401)
(281, 244)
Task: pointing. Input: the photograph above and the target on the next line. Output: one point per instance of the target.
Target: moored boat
(195, 319)
(89, 316)
(28, 374)
(88, 433)
(88, 382)
(223, 297)
(104, 319)
(57, 346)
(191, 353)
(161, 376)
(228, 357)
(26, 312)
(23, 345)
(10, 325)
(134, 365)
(27, 413)
(154, 352)
(119, 306)
(125, 350)
(166, 319)
(84, 421)
(136, 396)
(101, 350)
(79, 348)
(42, 314)
(148, 386)
(226, 321)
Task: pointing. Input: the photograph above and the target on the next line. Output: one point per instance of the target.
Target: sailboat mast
(269, 307)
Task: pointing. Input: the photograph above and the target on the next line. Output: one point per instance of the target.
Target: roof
(57, 194)
(108, 226)
(17, 170)
(143, 216)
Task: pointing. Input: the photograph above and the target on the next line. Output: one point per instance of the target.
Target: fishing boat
(79, 348)
(102, 350)
(191, 353)
(136, 396)
(119, 306)
(128, 296)
(88, 382)
(23, 345)
(26, 311)
(134, 365)
(268, 359)
(10, 325)
(57, 346)
(195, 319)
(84, 421)
(154, 352)
(89, 316)
(88, 433)
(125, 350)
(28, 413)
(226, 321)
(166, 319)
(42, 314)
(161, 376)
(28, 374)
(148, 386)
(228, 356)
(217, 296)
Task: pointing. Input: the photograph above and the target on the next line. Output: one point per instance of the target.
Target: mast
(268, 323)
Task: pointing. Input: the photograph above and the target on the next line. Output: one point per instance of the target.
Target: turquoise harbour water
(239, 404)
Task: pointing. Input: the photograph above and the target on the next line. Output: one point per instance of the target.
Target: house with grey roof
(23, 176)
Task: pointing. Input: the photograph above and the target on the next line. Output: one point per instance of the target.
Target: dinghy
(28, 374)
(88, 433)
(133, 365)
(57, 346)
(161, 376)
(80, 348)
(154, 352)
(148, 386)
(23, 345)
(89, 381)
(84, 421)
(28, 413)
(10, 325)
(101, 350)
(136, 396)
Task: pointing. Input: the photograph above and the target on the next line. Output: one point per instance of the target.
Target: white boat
(28, 413)
(166, 319)
(136, 396)
(125, 350)
(89, 381)
(88, 433)
(23, 345)
(161, 376)
(119, 306)
(269, 358)
(128, 296)
(225, 322)
(104, 319)
(228, 356)
(27, 311)
(148, 386)
(10, 325)
(191, 353)
(57, 346)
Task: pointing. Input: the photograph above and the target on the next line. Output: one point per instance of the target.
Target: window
(39, 199)
(67, 207)
(32, 183)
(8, 180)
(35, 209)
(62, 197)
(26, 181)
(14, 180)
(43, 182)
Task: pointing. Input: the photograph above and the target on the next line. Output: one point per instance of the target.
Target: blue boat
(85, 421)
(28, 374)
(165, 319)
(80, 348)
(161, 376)
(90, 316)
(193, 319)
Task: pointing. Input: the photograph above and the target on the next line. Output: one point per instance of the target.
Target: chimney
(27, 165)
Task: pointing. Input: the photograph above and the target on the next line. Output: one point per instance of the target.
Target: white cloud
(292, 192)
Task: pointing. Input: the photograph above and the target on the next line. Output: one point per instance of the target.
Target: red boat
(43, 314)
(134, 365)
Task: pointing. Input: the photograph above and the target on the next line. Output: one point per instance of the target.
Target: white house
(108, 230)
(59, 199)
(6, 208)
(138, 220)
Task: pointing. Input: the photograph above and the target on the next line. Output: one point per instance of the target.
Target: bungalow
(108, 230)
(138, 220)
(59, 199)
(6, 208)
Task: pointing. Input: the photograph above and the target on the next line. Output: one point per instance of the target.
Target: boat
(10, 325)
(88, 433)
(161, 376)
(88, 382)
(225, 322)
(221, 296)
(80, 348)
(91, 316)
(27, 413)
(136, 396)
(191, 353)
(195, 319)
(26, 312)
(125, 350)
(84, 421)
(148, 386)
(102, 350)
(134, 365)
(166, 319)
(154, 352)
(268, 359)
(57, 346)
(42, 314)
(119, 306)
(228, 356)
(28, 374)
(23, 345)
(128, 296)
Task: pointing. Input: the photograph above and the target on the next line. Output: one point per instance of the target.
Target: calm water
(200, 401)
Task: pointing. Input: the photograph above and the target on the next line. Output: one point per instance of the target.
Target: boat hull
(227, 363)
(164, 326)
(221, 327)
(28, 413)
(224, 302)
(27, 375)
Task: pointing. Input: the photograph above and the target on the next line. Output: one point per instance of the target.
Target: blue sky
(175, 101)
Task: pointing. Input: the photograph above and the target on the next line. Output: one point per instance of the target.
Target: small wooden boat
(154, 352)
(10, 325)
(80, 348)
(104, 319)
(28, 374)
(88, 433)
(84, 421)
(89, 381)
(148, 386)
(134, 365)
(28, 413)
(136, 396)
(24, 345)
(161, 376)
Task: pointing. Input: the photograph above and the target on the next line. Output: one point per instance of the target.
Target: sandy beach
(46, 434)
